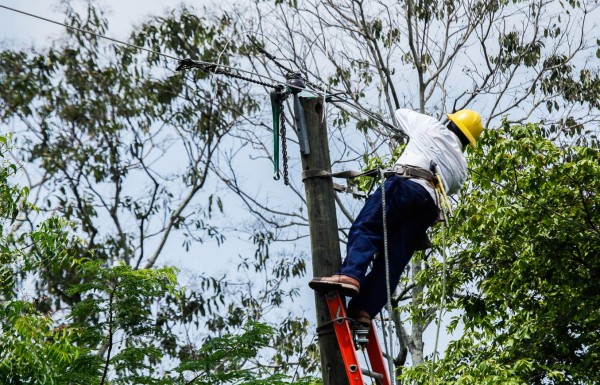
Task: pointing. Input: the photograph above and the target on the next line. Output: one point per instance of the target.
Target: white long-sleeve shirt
(431, 140)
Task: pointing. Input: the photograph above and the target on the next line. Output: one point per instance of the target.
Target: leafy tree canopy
(525, 265)
(111, 334)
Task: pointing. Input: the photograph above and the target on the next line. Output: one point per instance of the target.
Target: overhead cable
(214, 67)
(203, 63)
(218, 68)
(87, 31)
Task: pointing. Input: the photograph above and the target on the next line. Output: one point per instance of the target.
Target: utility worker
(411, 208)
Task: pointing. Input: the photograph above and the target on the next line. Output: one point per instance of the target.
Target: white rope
(446, 207)
(390, 353)
(442, 304)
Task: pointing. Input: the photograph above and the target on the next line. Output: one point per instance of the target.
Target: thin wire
(367, 361)
(385, 335)
(136, 46)
(442, 303)
(87, 31)
(371, 114)
(375, 117)
(325, 90)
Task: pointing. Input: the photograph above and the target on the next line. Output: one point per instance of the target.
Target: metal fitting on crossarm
(295, 82)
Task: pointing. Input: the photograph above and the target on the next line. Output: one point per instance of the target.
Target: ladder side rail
(344, 337)
(375, 354)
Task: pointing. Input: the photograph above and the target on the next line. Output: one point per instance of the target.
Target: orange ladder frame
(343, 332)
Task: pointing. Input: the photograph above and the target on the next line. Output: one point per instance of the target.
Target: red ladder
(345, 338)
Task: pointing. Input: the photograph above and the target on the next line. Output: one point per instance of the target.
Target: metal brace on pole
(296, 85)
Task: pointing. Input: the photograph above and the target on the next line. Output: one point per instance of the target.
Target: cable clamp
(349, 190)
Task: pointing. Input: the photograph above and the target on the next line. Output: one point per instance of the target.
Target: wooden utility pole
(324, 237)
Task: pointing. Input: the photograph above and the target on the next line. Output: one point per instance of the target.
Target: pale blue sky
(122, 14)
(19, 30)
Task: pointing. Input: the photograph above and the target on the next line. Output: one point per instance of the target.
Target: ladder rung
(368, 373)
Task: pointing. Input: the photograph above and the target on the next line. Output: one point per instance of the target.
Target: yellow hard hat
(469, 123)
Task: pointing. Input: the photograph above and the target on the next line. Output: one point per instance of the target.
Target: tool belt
(408, 171)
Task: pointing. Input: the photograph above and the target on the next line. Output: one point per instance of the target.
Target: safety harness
(431, 176)
(408, 171)
(401, 170)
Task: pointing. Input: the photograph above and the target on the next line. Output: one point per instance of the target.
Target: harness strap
(348, 174)
(402, 170)
(346, 189)
(409, 171)
(308, 174)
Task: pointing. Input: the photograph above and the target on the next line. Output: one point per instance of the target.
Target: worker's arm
(412, 122)
(405, 119)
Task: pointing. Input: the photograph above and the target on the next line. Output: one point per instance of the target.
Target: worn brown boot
(361, 317)
(347, 286)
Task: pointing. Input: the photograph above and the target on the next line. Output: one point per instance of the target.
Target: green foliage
(33, 350)
(112, 333)
(525, 266)
(374, 162)
(220, 360)
(100, 117)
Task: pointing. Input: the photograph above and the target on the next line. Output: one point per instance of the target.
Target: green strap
(276, 108)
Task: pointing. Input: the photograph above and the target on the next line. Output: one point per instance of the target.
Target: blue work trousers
(410, 211)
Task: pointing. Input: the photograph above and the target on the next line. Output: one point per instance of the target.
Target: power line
(217, 68)
(323, 90)
(87, 31)
(214, 67)
(98, 35)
